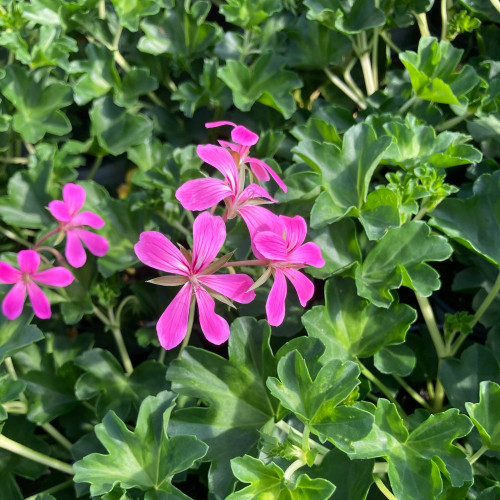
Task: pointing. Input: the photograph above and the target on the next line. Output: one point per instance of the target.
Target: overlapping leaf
(16, 334)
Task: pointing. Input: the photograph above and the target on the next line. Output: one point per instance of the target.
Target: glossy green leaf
(234, 391)
(135, 83)
(130, 12)
(104, 379)
(16, 334)
(432, 72)
(485, 414)
(473, 222)
(399, 259)
(484, 8)
(461, 377)
(268, 481)
(249, 13)
(145, 458)
(416, 459)
(53, 48)
(9, 390)
(398, 359)
(317, 129)
(380, 212)
(265, 82)
(346, 16)
(117, 129)
(351, 327)
(38, 103)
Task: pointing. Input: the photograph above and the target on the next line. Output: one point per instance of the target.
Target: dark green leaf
(130, 12)
(9, 390)
(398, 359)
(249, 13)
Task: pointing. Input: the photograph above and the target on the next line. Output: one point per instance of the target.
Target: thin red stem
(43, 238)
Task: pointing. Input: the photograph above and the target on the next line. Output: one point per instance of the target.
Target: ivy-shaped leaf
(485, 414)
(9, 391)
(350, 327)
(234, 391)
(264, 81)
(474, 222)
(249, 13)
(145, 458)
(399, 259)
(432, 72)
(53, 48)
(268, 481)
(38, 103)
(416, 459)
(130, 12)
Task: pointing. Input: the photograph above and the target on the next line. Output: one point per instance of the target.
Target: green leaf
(432, 72)
(249, 13)
(461, 377)
(399, 258)
(145, 458)
(53, 48)
(351, 327)
(38, 103)
(313, 46)
(483, 8)
(136, 83)
(380, 212)
(234, 392)
(474, 222)
(180, 31)
(130, 12)
(346, 173)
(268, 481)
(398, 359)
(317, 129)
(265, 82)
(117, 129)
(416, 459)
(16, 334)
(344, 15)
(485, 414)
(9, 390)
(415, 144)
(104, 379)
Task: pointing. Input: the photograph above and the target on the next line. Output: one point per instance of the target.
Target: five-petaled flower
(25, 280)
(243, 140)
(286, 253)
(195, 273)
(71, 223)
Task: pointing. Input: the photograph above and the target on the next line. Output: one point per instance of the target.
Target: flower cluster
(71, 224)
(277, 243)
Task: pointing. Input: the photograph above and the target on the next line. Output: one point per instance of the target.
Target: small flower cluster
(71, 224)
(277, 243)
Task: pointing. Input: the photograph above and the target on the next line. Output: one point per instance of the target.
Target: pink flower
(71, 223)
(200, 194)
(195, 274)
(286, 253)
(24, 281)
(243, 139)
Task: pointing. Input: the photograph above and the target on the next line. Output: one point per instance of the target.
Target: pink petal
(259, 219)
(234, 286)
(88, 219)
(254, 191)
(157, 251)
(275, 305)
(75, 254)
(12, 304)
(39, 301)
(57, 276)
(200, 194)
(213, 326)
(59, 210)
(303, 285)
(255, 161)
(307, 254)
(258, 170)
(270, 245)
(222, 160)
(172, 325)
(219, 124)
(229, 145)
(74, 197)
(295, 231)
(209, 234)
(29, 261)
(241, 135)
(9, 274)
(97, 244)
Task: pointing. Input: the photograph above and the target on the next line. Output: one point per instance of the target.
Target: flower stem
(366, 65)
(344, 88)
(95, 167)
(45, 237)
(412, 392)
(189, 326)
(311, 443)
(293, 467)
(423, 26)
(387, 39)
(383, 488)
(49, 491)
(120, 343)
(453, 121)
(444, 18)
(472, 459)
(407, 105)
(62, 440)
(431, 324)
(36, 456)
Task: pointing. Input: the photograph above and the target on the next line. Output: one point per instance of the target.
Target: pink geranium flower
(200, 194)
(195, 272)
(71, 223)
(286, 253)
(25, 280)
(243, 139)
